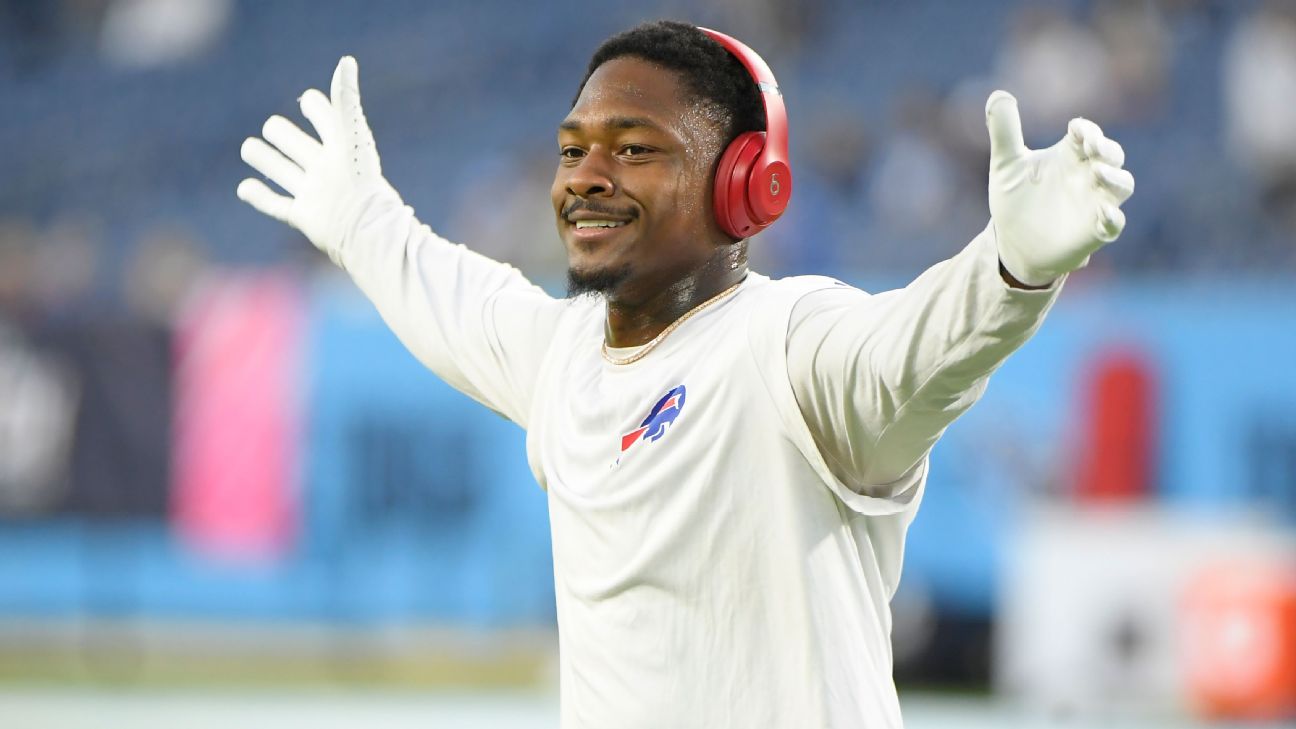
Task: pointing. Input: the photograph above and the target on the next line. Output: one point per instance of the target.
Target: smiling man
(731, 461)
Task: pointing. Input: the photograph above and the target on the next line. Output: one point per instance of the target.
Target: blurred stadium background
(228, 497)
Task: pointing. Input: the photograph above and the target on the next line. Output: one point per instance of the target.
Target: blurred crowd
(124, 104)
(85, 366)
(1196, 91)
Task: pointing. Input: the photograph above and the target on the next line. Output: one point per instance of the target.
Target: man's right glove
(1052, 207)
(330, 181)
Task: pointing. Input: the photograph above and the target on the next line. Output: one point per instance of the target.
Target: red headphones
(753, 181)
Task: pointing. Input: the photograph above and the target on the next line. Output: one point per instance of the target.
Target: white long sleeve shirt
(728, 513)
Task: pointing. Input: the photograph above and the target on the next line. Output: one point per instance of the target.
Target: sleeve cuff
(989, 263)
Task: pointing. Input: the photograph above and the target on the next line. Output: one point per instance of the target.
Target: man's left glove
(330, 181)
(1052, 207)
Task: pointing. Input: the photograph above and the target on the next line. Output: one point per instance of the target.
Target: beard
(592, 283)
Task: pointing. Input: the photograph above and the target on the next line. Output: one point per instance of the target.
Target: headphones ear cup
(732, 208)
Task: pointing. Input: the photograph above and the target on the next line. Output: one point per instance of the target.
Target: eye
(635, 150)
(571, 152)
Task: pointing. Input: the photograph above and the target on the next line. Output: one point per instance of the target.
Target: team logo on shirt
(654, 426)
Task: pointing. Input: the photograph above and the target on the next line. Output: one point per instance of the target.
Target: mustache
(599, 208)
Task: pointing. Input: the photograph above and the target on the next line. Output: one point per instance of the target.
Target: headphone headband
(771, 96)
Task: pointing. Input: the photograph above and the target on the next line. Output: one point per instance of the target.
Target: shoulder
(779, 298)
(578, 312)
(792, 284)
(773, 301)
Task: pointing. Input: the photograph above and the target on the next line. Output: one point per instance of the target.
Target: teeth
(598, 224)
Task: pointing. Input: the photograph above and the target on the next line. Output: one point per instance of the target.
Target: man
(731, 461)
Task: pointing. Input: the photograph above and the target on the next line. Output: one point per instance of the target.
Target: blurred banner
(1148, 611)
(308, 433)
(239, 381)
(320, 472)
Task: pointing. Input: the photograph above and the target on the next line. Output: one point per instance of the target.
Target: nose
(591, 177)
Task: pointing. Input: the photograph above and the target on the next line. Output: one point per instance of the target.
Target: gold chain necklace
(652, 344)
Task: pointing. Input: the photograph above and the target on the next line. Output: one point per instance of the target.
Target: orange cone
(1240, 641)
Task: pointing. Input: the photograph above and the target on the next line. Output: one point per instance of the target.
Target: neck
(632, 320)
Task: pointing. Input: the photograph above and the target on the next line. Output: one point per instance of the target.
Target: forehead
(632, 87)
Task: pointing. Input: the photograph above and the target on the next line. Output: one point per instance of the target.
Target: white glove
(330, 181)
(1052, 207)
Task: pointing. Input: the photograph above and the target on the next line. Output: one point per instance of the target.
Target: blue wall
(1222, 355)
(417, 504)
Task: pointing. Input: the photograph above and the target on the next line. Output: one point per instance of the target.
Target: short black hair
(708, 71)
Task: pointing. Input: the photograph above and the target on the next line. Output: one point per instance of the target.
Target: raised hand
(1052, 208)
(329, 181)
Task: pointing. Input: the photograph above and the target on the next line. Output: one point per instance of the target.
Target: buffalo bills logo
(654, 426)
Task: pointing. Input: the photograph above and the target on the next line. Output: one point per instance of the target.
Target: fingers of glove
(1120, 183)
(315, 105)
(1089, 142)
(1104, 149)
(346, 84)
(296, 145)
(1003, 121)
(346, 99)
(1077, 131)
(1110, 222)
(255, 193)
(270, 162)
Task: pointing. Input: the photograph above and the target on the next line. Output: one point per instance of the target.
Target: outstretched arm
(476, 323)
(879, 378)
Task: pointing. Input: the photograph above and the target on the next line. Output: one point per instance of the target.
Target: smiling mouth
(583, 224)
(592, 215)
